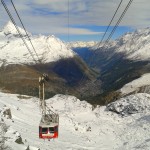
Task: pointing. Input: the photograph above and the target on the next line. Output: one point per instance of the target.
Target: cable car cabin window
(56, 129)
(51, 129)
(44, 130)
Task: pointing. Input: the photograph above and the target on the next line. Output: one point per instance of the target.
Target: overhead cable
(98, 44)
(118, 22)
(110, 23)
(13, 21)
(114, 29)
(24, 29)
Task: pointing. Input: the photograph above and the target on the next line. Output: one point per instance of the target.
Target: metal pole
(40, 102)
(44, 104)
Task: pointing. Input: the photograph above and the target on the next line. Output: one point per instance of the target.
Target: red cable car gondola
(48, 127)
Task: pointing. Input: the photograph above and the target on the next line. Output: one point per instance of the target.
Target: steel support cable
(13, 21)
(20, 35)
(68, 32)
(69, 35)
(110, 23)
(120, 19)
(25, 29)
(9, 14)
(29, 38)
(68, 46)
(118, 22)
(68, 21)
(68, 38)
(98, 44)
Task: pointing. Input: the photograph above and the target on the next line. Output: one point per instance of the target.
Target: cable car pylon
(42, 95)
(48, 127)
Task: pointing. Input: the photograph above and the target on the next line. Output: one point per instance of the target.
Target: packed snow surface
(135, 84)
(14, 51)
(82, 127)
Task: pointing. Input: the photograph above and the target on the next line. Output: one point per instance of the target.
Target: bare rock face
(6, 112)
(28, 148)
(138, 103)
(18, 138)
(3, 138)
(32, 148)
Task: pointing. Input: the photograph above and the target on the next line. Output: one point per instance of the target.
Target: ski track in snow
(81, 126)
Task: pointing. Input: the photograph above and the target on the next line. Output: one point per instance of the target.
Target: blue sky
(88, 19)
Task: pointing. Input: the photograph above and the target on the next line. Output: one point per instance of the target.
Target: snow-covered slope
(136, 84)
(81, 44)
(13, 50)
(132, 104)
(134, 45)
(81, 126)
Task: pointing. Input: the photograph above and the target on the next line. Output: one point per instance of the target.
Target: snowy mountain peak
(140, 34)
(81, 44)
(134, 45)
(13, 51)
(9, 28)
(144, 31)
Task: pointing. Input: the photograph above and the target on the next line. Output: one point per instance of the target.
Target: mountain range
(120, 68)
(120, 61)
(77, 68)
(20, 68)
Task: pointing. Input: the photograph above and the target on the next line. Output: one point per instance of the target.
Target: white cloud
(39, 16)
